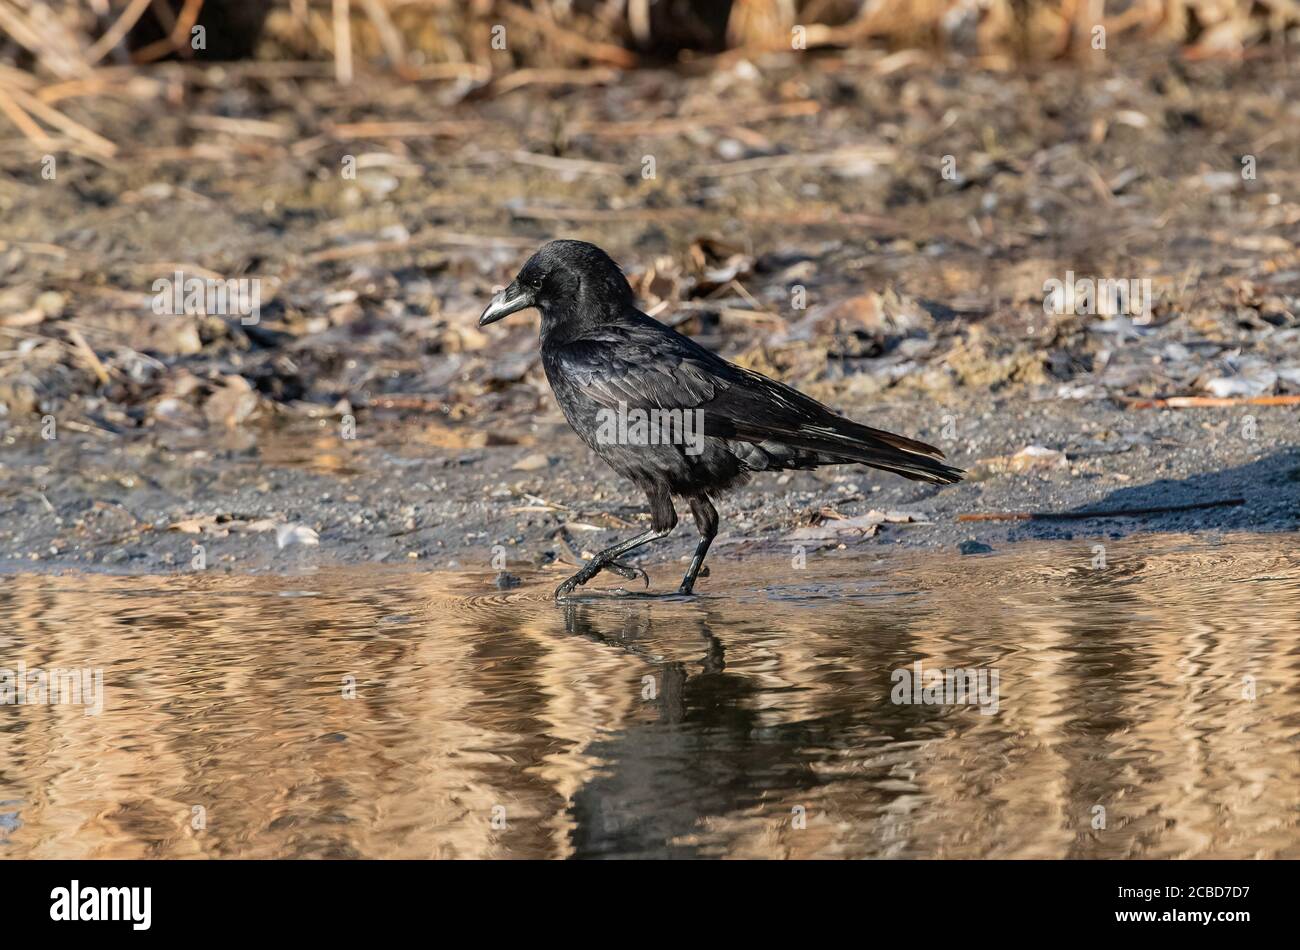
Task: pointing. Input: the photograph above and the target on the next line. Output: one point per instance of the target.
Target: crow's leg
(706, 519)
(662, 521)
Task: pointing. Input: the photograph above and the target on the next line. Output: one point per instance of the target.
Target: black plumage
(604, 357)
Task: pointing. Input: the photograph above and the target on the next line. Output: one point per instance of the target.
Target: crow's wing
(650, 366)
(611, 369)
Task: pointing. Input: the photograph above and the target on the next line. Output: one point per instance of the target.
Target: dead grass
(68, 38)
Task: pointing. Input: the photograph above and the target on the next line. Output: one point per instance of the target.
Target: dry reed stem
(177, 34)
(25, 123)
(73, 129)
(342, 42)
(40, 44)
(389, 36)
(117, 32)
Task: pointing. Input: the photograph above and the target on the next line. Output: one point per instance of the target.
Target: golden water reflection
(753, 721)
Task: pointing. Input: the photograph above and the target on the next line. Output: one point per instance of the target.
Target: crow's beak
(510, 300)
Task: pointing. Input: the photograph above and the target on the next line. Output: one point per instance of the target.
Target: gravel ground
(826, 177)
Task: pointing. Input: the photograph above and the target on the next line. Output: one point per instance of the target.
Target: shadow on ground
(1269, 490)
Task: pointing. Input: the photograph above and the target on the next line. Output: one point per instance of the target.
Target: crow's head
(565, 280)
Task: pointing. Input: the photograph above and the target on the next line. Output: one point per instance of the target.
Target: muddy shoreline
(100, 504)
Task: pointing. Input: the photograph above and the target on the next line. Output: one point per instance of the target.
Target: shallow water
(1145, 708)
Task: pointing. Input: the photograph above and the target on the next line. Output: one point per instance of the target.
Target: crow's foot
(577, 580)
(594, 567)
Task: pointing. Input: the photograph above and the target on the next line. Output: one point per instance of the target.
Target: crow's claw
(628, 571)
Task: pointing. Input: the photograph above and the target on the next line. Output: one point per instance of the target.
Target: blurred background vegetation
(418, 38)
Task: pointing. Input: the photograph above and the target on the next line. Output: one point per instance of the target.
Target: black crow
(671, 416)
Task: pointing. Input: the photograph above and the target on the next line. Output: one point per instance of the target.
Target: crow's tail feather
(895, 453)
(841, 441)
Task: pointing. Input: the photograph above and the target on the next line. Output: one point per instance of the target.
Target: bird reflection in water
(705, 752)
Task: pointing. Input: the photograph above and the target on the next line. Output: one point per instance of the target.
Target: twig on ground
(556, 163)
(1108, 513)
(241, 127)
(1213, 402)
(748, 166)
(87, 354)
(402, 130)
(674, 125)
(554, 77)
